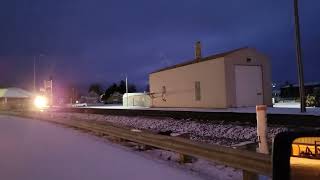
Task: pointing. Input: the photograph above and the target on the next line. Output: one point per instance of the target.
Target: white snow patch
(204, 168)
(38, 150)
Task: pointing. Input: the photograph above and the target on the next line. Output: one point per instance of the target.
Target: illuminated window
(197, 90)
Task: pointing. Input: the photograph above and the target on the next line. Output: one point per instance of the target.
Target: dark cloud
(98, 40)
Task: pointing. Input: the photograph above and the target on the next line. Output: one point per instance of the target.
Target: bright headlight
(41, 102)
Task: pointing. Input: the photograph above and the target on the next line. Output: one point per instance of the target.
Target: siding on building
(179, 84)
(208, 82)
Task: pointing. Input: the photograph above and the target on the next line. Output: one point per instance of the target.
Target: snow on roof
(134, 94)
(14, 93)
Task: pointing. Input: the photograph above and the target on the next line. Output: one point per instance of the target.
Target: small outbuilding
(15, 98)
(91, 98)
(136, 99)
(115, 98)
(237, 78)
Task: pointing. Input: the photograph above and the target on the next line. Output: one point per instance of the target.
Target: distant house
(15, 98)
(291, 91)
(115, 98)
(236, 78)
(91, 98)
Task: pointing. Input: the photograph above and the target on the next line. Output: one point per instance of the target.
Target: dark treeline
(120, 88)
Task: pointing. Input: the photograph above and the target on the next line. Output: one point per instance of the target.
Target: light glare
(41, 102)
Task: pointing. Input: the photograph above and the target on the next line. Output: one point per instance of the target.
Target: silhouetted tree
(122, 87)
(111, 89)
(95, 88)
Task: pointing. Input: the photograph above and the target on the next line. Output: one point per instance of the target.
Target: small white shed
(136, 99)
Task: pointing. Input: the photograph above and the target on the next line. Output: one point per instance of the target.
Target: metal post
(51, 91)
(261, 111)
(299, 58)
(127, 90)
(72, 95)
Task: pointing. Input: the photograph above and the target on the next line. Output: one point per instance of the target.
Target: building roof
(194, 61)
(14, 93)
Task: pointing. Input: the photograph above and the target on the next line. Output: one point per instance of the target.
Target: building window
(164, 91)
(197, 90)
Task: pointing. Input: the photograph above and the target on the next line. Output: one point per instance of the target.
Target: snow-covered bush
(311, 101)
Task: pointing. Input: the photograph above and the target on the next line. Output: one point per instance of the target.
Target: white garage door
(249, 91)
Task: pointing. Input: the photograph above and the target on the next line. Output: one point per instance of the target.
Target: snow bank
(36, 150)
(205, 169)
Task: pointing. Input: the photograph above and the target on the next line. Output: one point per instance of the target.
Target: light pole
(34, 74)
(127, 90)
(34, 71)
(299, 57)
(127, 97)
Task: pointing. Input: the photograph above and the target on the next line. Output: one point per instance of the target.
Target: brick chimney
(197, 50)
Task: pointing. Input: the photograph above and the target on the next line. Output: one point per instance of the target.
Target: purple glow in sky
(96, 41)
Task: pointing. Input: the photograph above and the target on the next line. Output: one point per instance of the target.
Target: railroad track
(287, 120)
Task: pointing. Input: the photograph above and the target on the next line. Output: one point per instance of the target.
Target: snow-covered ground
(288, 104)
(35, 150)
(278, 108)
(216, 133)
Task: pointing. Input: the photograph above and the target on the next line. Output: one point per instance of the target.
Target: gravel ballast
(209, 132)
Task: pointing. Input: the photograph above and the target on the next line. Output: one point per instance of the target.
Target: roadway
(35, 150)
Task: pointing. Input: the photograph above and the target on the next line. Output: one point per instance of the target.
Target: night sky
(80, 42)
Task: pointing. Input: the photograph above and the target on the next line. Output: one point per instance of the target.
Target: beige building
(237, 78)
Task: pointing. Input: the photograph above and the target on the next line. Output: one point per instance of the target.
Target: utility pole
(51, 90)
(73, 98)
(34, 74)
(127, 90)
(299, 58)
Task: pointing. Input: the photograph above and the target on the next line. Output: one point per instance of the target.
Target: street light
(127, 89)
(41, 102)
(299, 57)
(34, 71)
(34, 74)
